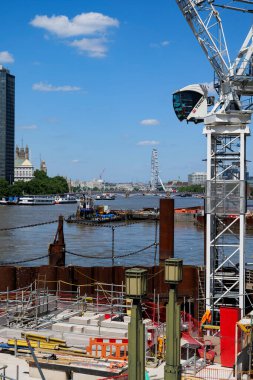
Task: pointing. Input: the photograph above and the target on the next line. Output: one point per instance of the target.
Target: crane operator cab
(190, 103)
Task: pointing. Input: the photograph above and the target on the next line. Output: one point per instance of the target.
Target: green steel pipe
(136, 345)
(172, 370)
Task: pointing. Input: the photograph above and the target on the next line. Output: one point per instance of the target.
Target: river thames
(32, 242)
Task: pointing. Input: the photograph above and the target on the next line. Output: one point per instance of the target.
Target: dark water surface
(32, 242)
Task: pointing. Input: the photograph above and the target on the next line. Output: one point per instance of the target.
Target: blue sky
(94, 84)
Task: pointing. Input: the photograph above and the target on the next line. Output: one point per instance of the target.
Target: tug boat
(88, 212)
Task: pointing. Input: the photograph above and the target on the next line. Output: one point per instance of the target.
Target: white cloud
(75, 161)
(46, 87)
(93, 25)
(149, 122)
(6, 57)
(164, 43)
(148, 142)
(81, 25)
(94, 47)
(32, 126)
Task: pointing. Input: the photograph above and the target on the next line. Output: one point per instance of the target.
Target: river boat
(87, 211)
(36, 200)
(9, 201)
(105, 197)
(65, 199)
(4, 201)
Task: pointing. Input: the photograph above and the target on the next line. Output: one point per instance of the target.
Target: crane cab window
(184, 102)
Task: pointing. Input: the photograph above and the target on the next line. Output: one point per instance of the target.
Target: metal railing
(3, 373)
(209, 373)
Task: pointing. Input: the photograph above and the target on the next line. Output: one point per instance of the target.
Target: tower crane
(101, 174)
(226, 127)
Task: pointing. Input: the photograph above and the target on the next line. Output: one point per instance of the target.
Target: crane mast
(226, 127)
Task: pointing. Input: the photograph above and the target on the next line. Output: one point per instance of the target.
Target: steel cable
(28, 225)
(24, 261)
(102, 225)
(110, 257)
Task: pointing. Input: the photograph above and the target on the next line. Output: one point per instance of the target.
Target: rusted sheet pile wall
(19, 277)
(8, 278)
(166, 231)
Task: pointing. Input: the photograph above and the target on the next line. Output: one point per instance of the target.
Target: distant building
(124, 186)
(96, 183)
(7, 124)
(43, 166)
(197, 178)
(23, 170)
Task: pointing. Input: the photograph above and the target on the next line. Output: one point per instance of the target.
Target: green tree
(40, 184)
(191, 189)
(40, 174)
(4, 188)
(18, 188)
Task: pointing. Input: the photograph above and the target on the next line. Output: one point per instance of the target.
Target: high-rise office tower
(7, 124)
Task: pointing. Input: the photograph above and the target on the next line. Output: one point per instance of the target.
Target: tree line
(40, 184)
(192, 189)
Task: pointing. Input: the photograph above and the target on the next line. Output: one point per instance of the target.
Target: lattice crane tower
(226, 127)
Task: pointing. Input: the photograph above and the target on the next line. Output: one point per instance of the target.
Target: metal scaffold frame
(225, 217)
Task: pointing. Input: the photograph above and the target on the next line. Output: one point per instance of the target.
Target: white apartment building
(197, 178)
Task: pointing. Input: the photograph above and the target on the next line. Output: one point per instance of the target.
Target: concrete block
(78, 329)
(77, 340)
(64, 327)
(114, 324)
(10, 333)
(105, 332)
(80, 320)
(94, 322)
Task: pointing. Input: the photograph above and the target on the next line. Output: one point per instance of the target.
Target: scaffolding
(36, 306)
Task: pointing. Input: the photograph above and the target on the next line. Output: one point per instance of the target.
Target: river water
(32, 242)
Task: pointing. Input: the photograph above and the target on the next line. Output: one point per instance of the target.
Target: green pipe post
(136, 344)
(172, 370)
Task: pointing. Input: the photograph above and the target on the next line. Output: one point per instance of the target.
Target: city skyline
(94, 84)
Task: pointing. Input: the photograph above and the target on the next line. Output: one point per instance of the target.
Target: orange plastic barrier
(108, 348)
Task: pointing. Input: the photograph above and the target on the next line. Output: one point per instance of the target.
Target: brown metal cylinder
(166, 233)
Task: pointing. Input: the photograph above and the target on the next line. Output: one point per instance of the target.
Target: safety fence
(209, 373)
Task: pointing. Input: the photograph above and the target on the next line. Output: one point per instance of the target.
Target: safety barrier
(209, 373)
(108, 348)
